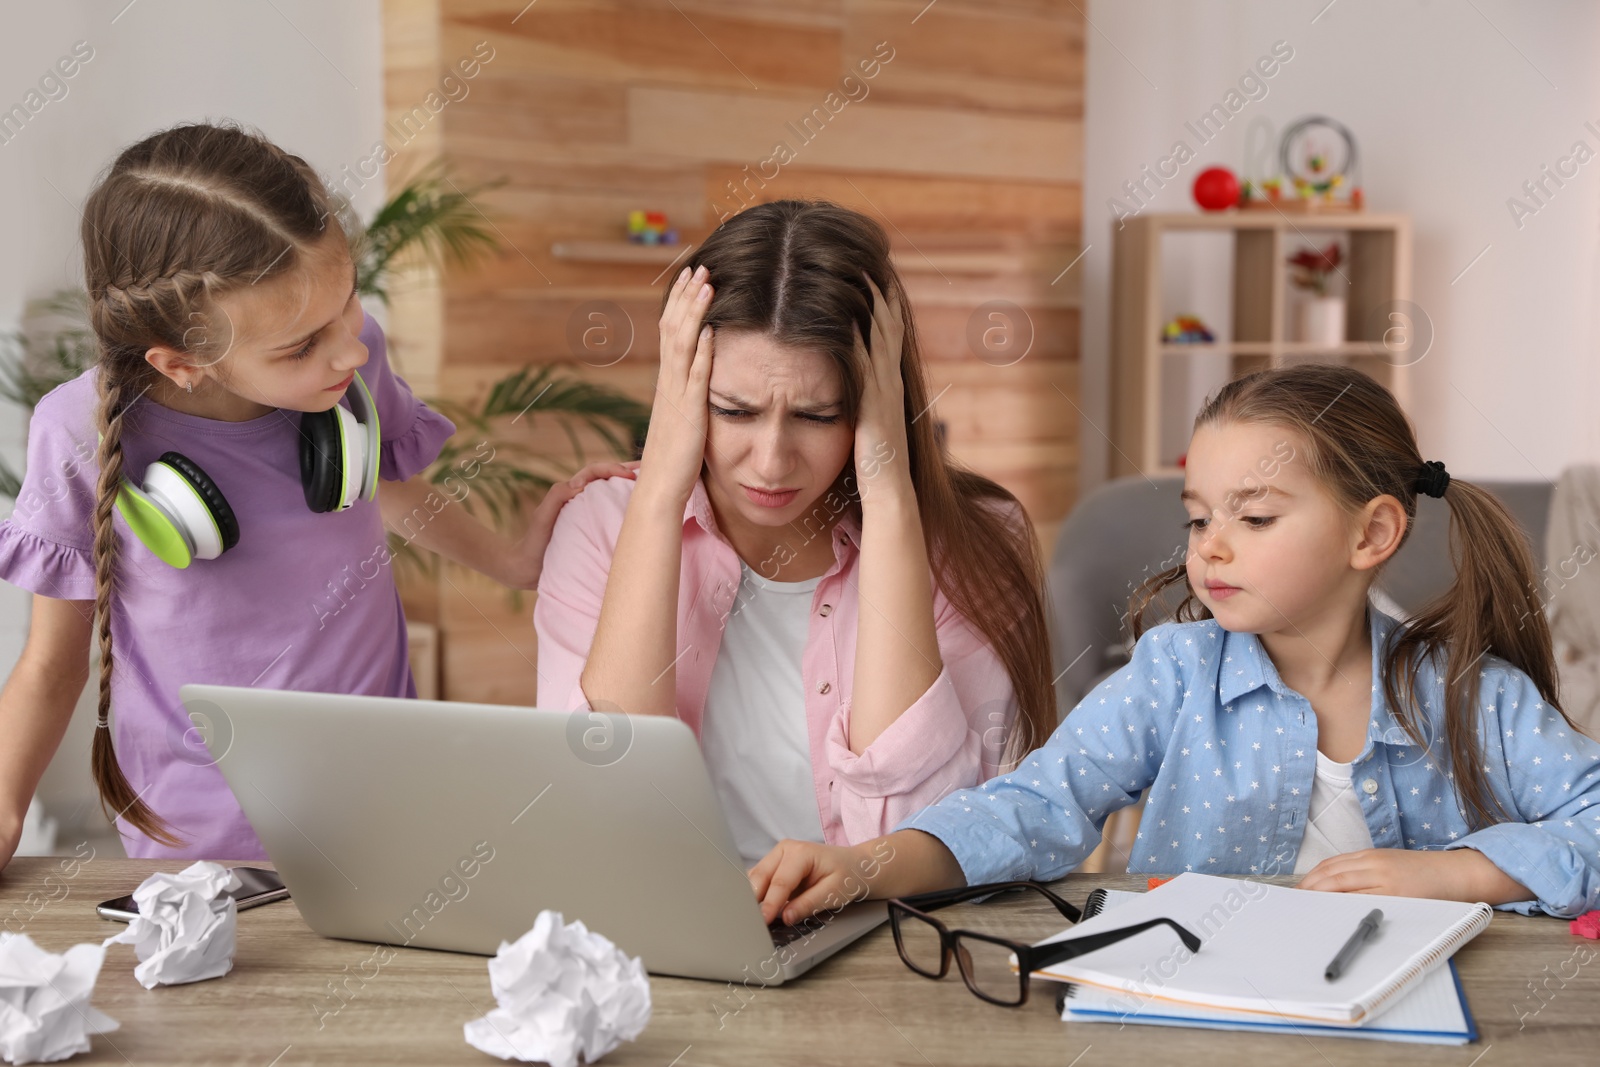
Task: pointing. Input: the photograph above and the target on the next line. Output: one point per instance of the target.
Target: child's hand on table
(800, 878)
(1460, 874)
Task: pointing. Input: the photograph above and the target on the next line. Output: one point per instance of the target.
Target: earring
(189, 386)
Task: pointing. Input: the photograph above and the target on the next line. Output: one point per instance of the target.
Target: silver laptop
(451, 826)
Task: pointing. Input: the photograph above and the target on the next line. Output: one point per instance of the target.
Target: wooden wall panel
(979, 58)
(741, 47)
(745, 128)
(966, 145)
(932, 203)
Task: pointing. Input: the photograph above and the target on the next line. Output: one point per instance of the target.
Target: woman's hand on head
(527, 562)
(676, 442)
(881, 453)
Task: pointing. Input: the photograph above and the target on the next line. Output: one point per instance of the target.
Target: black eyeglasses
(926, 944)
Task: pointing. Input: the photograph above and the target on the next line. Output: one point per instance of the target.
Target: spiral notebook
(1264, 949)
(1434, 1012)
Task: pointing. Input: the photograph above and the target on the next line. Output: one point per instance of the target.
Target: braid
(169, 306)
(115, 791)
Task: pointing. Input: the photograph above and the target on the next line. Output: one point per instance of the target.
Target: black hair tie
(1433, 479)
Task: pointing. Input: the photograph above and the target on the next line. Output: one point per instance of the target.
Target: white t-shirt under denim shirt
(1334, 824)
(754, 730)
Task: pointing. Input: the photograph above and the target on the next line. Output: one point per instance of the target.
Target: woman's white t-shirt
(1336, 824)
(753, 732)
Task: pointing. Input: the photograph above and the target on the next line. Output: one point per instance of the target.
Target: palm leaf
(36, 360)
(553, 389)
(500, 487)
(70, 305)
(432, 214)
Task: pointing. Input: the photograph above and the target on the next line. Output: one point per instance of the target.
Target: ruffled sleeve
(43, 566)
(412, 433)
(409, 454)
(47, 544)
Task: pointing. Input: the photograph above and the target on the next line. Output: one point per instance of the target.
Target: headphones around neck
(181, 515)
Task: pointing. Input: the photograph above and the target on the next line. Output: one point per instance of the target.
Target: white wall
(307, 74)
(1454, 106)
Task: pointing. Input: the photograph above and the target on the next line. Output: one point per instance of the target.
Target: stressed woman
(852, 625)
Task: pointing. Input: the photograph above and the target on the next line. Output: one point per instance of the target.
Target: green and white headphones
(181, 515)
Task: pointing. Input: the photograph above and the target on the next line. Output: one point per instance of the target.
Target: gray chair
(1131, 528)
(1116, 537)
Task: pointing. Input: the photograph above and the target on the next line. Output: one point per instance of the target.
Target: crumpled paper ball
(1587, 925)
(562, 992)
(186, 928)
(45, 1013)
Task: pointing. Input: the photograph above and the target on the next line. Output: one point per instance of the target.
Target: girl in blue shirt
(1282, 724)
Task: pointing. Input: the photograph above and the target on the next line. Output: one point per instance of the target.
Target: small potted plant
(1320, 317)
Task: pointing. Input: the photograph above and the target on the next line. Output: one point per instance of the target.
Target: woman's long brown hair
(1360, 446)
(179, 219)
(791, 269)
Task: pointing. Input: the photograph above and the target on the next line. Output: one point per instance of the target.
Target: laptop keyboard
(783, 935)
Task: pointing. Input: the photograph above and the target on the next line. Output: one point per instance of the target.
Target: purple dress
(304, 601)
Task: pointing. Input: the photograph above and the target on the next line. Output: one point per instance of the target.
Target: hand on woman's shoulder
(594, 516)
(603, 495)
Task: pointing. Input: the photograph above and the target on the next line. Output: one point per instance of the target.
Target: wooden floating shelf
(984, 261)
(617, 252)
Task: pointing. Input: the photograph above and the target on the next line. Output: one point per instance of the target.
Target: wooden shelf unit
(1377, 263)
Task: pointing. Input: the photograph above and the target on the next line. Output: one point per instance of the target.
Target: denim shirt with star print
(1201, 719)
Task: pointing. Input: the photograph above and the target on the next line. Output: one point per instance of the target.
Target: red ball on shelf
(1216, 189)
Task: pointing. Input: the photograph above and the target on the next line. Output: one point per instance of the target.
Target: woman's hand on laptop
(800, 878)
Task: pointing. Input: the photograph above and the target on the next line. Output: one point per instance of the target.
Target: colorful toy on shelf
(1216, 189)
(1261, 195)
(650, 228)
(1186, 330)
(1318, 159)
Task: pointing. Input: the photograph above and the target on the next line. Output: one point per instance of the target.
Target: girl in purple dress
(222, 293)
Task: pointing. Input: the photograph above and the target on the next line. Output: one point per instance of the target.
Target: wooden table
(861, 1007)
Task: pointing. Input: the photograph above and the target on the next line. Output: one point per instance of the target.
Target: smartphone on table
(256, 886)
